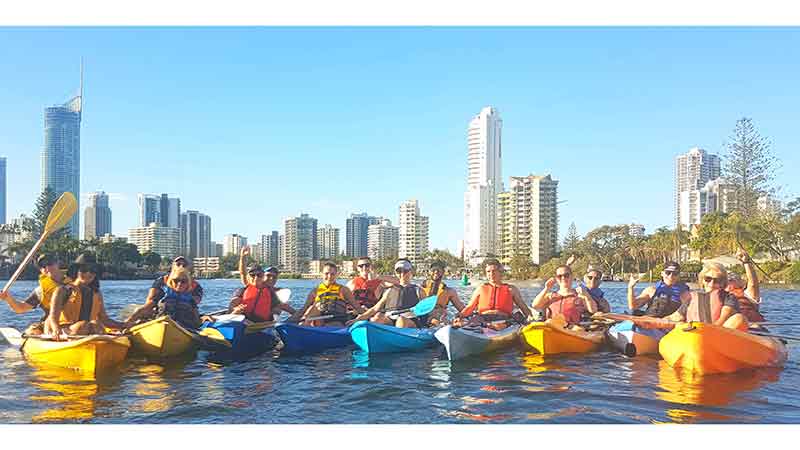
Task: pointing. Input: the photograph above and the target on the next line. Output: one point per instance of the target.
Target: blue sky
(251, 125)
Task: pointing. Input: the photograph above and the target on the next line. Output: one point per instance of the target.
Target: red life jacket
(495, 298)
(747, 307)
(258, 303)
(364, 291)
(570, 306)
(705, 307)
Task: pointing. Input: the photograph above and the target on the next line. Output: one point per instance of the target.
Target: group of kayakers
(73, 303)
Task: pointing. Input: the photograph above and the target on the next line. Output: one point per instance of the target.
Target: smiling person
(257, 300)
(714, 305)
(404, 295)
(367, 287)
(328, 299)
(158, 291)
(494, 301)
(50, 278)
(445, 295)
(571, 304)
(78, 309)
(592, 281)
(665, 297)
(748, 291)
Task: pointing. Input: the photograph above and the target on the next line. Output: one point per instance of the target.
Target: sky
(253, 125)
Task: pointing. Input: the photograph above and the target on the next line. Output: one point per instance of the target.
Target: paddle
(644, 321)
(770, 324)
(63, 210)
(739, 243)
(788, 338)
(424, 306)
(12, 336)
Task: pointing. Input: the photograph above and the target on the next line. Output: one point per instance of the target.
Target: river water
(348, 386)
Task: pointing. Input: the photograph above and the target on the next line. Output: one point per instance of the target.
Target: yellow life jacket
(78, 308)
(441, 293)
(329, 299)
(48, 286)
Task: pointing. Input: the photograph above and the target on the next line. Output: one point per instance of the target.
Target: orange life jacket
(441, 291)
(82, 305)
(747, 307)
(705, 307)
(258, 303)
(570, 306)
(364, 291)
(495, 298)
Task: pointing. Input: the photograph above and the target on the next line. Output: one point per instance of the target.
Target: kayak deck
(379, 338)
(631, 340)
(462, 342)
(89, 355)
(548, 338)
(302, 339)
(162, 337)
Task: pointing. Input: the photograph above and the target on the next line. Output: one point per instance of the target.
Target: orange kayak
(704, 349)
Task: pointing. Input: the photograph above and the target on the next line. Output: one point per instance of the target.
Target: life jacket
(495, 298)
(48, 286)
(407, 297)
(81, 305)
(329, 300)
(599, 297)
(180, 306)
(570, 306)
(364, 291)
(428, 287)
(705, 307)
(666, 300)
(258, 303)
(748, 307)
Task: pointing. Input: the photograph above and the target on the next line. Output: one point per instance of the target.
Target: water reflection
(68, 395)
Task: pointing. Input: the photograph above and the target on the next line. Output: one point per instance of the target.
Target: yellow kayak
(551, 337)
(704, 349)
(162, 337)
(89, 355)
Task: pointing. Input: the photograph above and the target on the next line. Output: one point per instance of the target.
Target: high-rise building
(716, 195)
(413, 239)
(383, 240)
(217, 250)
(327, 242)
(693, 170)
(149, 209)
(3, 187)
(356, 234)
(97, 216)
(282, 251)
(232, 244)
(484, 182)
(528, 219)
(257, 252)
(61, 155)
(271, 249)
(636, 229)
(300, 241)
(195, 234)
(163, 209)
(165, 241)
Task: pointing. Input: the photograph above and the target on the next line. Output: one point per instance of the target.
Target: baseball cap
(403, 265)
(272, 269)
(179, 258)
(45, 260)
(591, 269)
(673, 266)
(254, 268)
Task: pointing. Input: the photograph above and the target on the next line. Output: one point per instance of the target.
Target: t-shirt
(159, 284)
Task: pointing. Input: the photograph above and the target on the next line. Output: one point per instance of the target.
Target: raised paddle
(63, 210)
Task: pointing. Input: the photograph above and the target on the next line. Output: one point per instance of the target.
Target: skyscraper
(300, 241)
(3, 186)
(484, 182)
(327, 242)
(61, 155)
(527, 220)
(149, 210)
(270, 247)
(384, 240)
(413, 239)
(97, 216)
(693, 170)
(195, 234)
(232, 244)
(169, 211)
(356, 234)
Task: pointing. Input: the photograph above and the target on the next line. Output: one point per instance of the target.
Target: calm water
(347, 386)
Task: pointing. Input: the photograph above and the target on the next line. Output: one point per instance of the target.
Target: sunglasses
(591, 277)
(181, 281)
(272, 274)
(670, 273)
(364, 265)
(563, 275)
(87, 269)
(256, 274)
(401, 271)
(181, 263)
(712, 279)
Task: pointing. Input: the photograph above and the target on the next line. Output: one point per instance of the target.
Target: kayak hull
(707, 349)
(378, 338)
(245, 341)
(550, 339)
(90, 355)
(301, 339)
(460, 343)
(631, 340)
(162, 338)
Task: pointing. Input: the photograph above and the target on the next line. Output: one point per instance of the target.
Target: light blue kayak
(633, 340)
(378, 338)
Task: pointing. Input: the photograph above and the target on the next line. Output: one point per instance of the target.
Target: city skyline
(597, 132)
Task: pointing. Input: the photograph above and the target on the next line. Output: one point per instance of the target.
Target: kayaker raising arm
(368, 287)
(257, 300)
(157, 292)
(662, 299)
(714, 305)
(493, 300)
(398, 297)
(591, 286)
(573, 305)
(747, 292)
(328, 299)
(50, 277)
(445, 295)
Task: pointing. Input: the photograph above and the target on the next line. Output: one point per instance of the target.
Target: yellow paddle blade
(65, 207)
(215, 336)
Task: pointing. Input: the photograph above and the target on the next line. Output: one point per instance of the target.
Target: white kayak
(463, 342)
(632, 340)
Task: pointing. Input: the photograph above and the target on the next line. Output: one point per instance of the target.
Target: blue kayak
(244, 343)
(300, 339)
(378, 338)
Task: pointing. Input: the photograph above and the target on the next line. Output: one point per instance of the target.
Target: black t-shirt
(159, 284)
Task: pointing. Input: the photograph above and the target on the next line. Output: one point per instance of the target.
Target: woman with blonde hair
(713, 305)
(178, 302)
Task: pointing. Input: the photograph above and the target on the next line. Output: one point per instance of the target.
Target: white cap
(403, 264)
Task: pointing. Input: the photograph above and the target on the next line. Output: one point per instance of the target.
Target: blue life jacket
(596, 293)
(184, 297)
(666, 300)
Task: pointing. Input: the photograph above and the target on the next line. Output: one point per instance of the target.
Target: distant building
(195, 234)
(716, 195)
(356, 234)
(232, 244)
(61, 155)
(162, 209)
(636, 229)
(413, 232)
(257, 252)
(528, 219)
(217, 250)
(165, 241)
(315, 267)
(109, 238)
(282, 251)
(270, 246)
(97, 216)
(327, 242)
(3, 187)
(693, 170)
(769, 204)
(300, 243)
(347, 268)
(206, 265)
(383, 240)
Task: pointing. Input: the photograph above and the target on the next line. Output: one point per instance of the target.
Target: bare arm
(105, 320)
(242, 256)
(452, 297)
(591, 305)
(372, 311)
(16, 306)
(473, 303)
(753, 288)
(149, 302)
(300, 312)
(51, 325)
(635, 302)
(542, 300)
(517, 296)
(347, 294)
(724, 315)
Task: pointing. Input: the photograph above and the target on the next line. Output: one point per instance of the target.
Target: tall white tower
(693, 170)
(484, 182)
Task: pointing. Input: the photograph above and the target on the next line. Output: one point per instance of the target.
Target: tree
(229, 263)
(453, 262)
(151, 260)
(749, 166)
(605, 245)
(44, 204)
(715, 235)
(522, 268)
(571, 241)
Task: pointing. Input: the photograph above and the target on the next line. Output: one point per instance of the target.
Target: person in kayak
(662, 299)
(494, 301)
(714, 305)
(158, 291)
(257, 300)
(50, 277)
(748, 292)
(445, 295)
(368, 287)
(78, 308)
(328, 302)
(179, 301)
(404, 295)
(574, 305)
(591, 284)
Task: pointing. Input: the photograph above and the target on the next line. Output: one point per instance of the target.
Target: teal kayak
(300, 339)
(378, 338)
